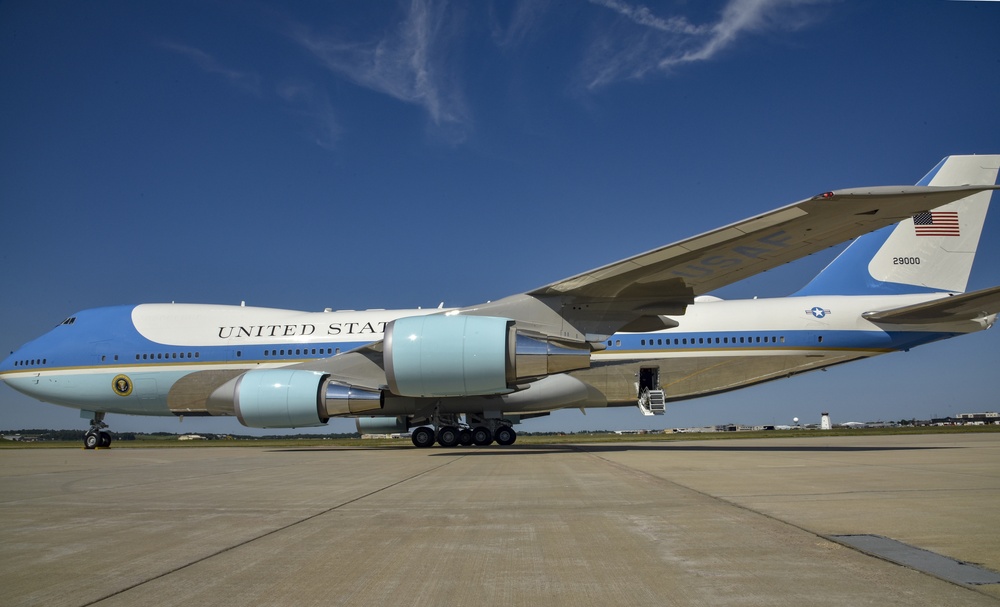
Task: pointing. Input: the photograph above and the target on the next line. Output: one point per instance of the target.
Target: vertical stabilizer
(930, 252)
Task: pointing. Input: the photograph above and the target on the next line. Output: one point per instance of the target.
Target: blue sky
(400, 154)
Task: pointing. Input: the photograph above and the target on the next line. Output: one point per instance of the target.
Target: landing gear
(473, 430)
(482, 436)
(505, 435)
(448, 436)
(422, 437)
(98, 436)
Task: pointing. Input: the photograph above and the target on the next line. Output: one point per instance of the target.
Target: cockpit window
(69, 321)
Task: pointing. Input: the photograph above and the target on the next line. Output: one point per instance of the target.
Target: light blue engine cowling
(382, 425)
(448, 355)
(280, 398)
(442, 356)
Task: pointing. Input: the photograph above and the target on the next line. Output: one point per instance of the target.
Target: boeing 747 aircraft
(639, 332)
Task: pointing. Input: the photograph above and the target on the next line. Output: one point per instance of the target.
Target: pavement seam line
(650, 475)
(269, 533)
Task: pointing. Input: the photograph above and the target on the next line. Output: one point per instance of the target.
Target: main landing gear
(450, 433)
(98, 435)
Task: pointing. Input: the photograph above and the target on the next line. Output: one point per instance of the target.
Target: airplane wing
(714, 259)
(632, 294)
(967, 306)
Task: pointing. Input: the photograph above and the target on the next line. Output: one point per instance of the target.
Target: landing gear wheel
(505, 436)
(465, 437)
(422, 437)
(448, 436)
(97, 436)
(91, 440)
(482, 436)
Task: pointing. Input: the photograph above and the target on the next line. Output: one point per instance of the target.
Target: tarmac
(731, 522)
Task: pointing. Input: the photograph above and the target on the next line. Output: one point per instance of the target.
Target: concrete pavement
(672, 523)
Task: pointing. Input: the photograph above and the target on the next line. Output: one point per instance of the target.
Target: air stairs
(652, 402)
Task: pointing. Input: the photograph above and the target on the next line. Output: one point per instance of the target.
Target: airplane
(642, 331)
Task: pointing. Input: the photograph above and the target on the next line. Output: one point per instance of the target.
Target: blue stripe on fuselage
(709, 341)
(107, 337)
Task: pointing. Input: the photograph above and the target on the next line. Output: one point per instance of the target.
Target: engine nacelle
(296, 398)
(280, 398)
(382, 425)
(442, 356)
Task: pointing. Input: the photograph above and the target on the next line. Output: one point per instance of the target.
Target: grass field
(143, 441)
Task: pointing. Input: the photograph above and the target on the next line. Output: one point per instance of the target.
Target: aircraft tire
(465, 437)
(482, 436)
(422, 437)
(505, 435)
(91, 440)
(104, 440)
(448, 436)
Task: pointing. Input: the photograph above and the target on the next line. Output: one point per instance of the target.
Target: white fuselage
(717, 346)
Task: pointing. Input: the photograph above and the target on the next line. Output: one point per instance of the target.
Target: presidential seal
(122, 385)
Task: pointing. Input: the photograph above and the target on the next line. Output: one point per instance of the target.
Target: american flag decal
(936, 223)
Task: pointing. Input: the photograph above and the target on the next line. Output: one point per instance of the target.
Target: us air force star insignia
(818, 312)
(122, 385)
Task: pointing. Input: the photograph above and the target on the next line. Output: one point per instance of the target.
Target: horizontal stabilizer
(968, 306)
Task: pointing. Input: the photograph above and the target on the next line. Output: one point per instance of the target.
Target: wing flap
(968, 306)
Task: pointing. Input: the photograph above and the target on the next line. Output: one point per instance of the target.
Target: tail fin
(930, 252)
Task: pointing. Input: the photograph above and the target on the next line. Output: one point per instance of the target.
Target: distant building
(991, 417)
(968, 419)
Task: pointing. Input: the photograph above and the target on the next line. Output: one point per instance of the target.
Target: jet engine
(442, 356)
(296, 398)
(382, 425)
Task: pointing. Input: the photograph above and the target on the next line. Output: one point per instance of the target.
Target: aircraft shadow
(610, 448)
(752, 448)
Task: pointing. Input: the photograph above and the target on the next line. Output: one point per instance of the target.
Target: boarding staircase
(652, 402)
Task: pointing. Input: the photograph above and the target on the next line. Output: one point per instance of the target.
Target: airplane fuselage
(146, 359)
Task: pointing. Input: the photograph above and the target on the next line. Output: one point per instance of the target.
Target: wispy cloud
(316, 107)
(655, 43)
(247, 81)
(412, 62)
(641, 15)
(524, 19)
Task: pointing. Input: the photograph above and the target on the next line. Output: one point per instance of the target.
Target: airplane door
(649, 379)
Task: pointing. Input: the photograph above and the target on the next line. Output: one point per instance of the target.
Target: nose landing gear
(98, 435)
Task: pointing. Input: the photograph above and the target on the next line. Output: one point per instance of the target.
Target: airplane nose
(8, 363)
